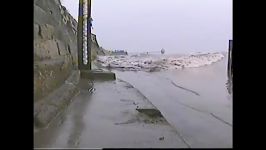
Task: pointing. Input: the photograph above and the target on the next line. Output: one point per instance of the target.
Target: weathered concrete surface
(47, 109)
(55, 59)
(97, 120)
(120, 117)
(55, 47)
(97, 75)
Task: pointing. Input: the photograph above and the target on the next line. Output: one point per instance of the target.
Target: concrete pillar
(229, 67)
(84, 49)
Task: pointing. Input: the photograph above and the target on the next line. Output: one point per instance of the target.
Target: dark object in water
(162, 51)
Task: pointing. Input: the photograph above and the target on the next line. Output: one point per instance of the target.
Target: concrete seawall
(55, 59)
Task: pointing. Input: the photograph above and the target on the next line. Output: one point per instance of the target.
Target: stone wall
(55, 46)
(56, 73)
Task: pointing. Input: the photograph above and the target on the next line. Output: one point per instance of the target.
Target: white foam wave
(159, 62)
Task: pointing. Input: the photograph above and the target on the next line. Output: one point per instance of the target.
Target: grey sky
(178, 26)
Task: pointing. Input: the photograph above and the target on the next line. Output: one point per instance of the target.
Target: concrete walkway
(106, 116)
(195, 111)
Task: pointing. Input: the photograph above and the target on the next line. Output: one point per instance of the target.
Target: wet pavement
(106, 116)
(194, 102)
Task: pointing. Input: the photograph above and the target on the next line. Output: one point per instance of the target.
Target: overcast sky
(178, 26)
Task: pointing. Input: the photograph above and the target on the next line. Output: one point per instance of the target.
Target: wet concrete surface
(194, 100)
(108, 117)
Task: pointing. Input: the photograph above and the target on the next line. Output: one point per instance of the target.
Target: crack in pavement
(214, 116)
(221, 119)
(185, 88)
(195, 109)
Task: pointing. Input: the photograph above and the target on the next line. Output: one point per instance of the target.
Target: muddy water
(194, 100)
